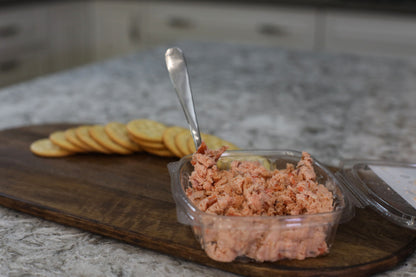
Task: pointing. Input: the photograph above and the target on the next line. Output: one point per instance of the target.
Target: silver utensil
(178, 72)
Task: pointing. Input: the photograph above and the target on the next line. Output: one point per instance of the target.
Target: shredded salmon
(248, 189)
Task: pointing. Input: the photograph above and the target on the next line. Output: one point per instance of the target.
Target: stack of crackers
(139, 135)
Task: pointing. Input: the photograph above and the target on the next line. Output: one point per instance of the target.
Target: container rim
(182, 200)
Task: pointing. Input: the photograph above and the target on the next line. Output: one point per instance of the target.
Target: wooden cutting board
(128, 198)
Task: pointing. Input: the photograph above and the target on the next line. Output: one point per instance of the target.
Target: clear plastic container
(387, 187)
(259, 238)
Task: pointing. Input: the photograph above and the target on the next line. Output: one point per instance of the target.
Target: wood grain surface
(128, 198)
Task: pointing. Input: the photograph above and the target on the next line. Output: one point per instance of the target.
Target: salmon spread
(247, 189)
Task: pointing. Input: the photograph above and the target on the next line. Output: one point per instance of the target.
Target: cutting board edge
(389, 262)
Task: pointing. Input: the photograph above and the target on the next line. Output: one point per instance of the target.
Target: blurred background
(42, 37)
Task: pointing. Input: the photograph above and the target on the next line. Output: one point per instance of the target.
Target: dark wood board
(128, 198)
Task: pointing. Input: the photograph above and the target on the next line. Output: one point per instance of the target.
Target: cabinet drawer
(370, 34)
(69, 36)
(22, 27)
(116, 28)
(271, 26)
(17, 68)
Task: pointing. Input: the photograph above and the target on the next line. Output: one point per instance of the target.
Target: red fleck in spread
(248, 189)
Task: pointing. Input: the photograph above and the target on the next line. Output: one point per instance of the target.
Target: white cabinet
(125, 26)
(57, 35)
(22, 27)
(68, 33)
(166, 22)
(20, 67)
(368, 33)
(115, 28)
(43, 38)
(22, 43)
(120, 27)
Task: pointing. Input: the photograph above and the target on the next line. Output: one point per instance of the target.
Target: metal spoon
(176, 64)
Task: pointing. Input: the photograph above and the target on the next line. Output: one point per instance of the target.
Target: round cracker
(159, 152)
(153, 145)
(59, 139)
(133, 138)
(147, 144)
(164, 152)
(83, 134)
(98, 134)
(46, 148)
(71, 136)
(118, 133)
(168, 139)
(181, 141)
(219, 142)
(213, 142)
(146, 129)
(191, 144)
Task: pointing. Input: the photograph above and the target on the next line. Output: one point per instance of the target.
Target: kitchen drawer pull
(8, 31)
(9, 65)
(179, 23)
(134, 30)
(272, 30)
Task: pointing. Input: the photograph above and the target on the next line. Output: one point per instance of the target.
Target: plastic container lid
(388, 187)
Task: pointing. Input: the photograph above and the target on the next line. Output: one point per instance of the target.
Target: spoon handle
(176, 65)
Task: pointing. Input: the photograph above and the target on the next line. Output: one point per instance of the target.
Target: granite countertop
(334, 106)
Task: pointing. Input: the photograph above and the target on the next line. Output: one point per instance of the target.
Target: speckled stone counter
(336, 107)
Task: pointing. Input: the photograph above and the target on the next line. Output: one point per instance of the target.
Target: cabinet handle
(134, 33)
(179, 23)
(272, 30)
(8, 31)
(10, 65)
